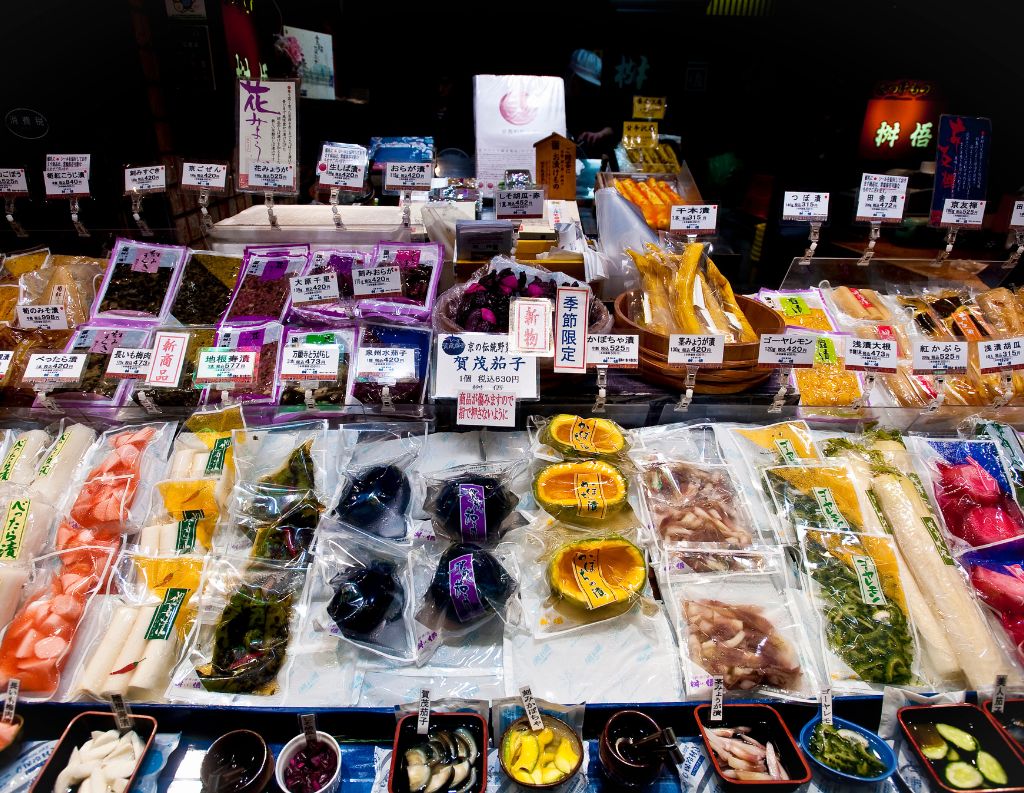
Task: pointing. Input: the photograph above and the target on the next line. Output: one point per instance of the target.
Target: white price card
(529, 326)
(947, 357)
(1001, 354)
(790, 350)
(50, 317)
(321, 288)
(805, 205)
(572, 310)
(694, 218)
(211, 176)
(5, 362)
(168, 358)
(13, 182)
(316, 362)
(226, 365)
(616, 351)
(342, 165)
(69, 162)
(882, 198)
(54, 368)
(66, 184)
(145, 179)
(408, 175)
(129, 363)
(477, 362)
(871, 355)
(386, 365)
(485, 409)
(696, 349)
(272, 175)
(1016, 217)
(519, 204)
(956, 212)
(384, 280)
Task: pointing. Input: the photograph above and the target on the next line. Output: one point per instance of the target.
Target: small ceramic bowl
(555, 724)
(293, 747)
(237, 762)
(622, 767)
(880, 747)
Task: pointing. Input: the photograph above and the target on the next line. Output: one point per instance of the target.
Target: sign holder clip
(1006, 392)
(940, 396)
(602, 390)
(81, 229)
(1018, 240)
(869, 252)
(386, 402)
(950, 242)
(137, 215)
(226, 398)
(812, 242)
(47, 402)
(335, 192)
(783, 392)
(147, 402)
(869, 383)
(687, 396)
(204, 210)
(268, 201)
(307, 397)
(19, 230)
(406, 208)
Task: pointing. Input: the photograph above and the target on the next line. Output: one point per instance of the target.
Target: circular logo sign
(23, 122)
(453, 345)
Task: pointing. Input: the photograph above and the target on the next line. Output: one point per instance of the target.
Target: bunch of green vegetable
(844, 751)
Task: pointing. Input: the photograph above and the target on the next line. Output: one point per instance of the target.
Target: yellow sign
(825, 351)
(649, 106)
(640, 134)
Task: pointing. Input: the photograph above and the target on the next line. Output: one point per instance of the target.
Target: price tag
(652, 107)
(874, 355)
(145, 179)
(342, 165)
(826, 705)
(696, 349)
(380, 281)
(1001, 354)
(1016, 217)
(694, 218)
(307, 722)
(54, 368)
(387, 365)
(11, 700)
(485, 409)
(317, 362)
(423, 713)
(614, 351)
(790, 350)
(882, 198)
(640, 134)
(121, 716)
(272, 175)
(307, 289)
(43, 317)
(226, 365)
(210, 176)
(572, 310)
(482, 362)
(408, 175)
(998, 696)
(944, 357)
(797, 205)
(963, 213)
(529, 326)
(168, 358)
(13, 182)
(519, 204)
(5, 362)
(66, 184)
(532, 710)
(129, 363)
(717, 696)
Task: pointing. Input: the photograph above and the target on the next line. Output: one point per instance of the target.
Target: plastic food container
(876, 743)
(237, 762)
(457, 726)
(298, 743)
(766, 725)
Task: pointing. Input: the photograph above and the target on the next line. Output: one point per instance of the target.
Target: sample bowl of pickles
(960, 747)
(846, 751)
(540, 759)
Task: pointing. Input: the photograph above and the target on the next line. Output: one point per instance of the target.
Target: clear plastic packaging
(12, 268)
(995, 574)
(785, 443)
(292, 457)
(419, 271)
(585, 493)
(814, 496)
(568, 437)
(139, 283)
(319, 393)
(13, 578)
(828, 383)
(341, 264)
(99, 342)
(21, 454)
(68, 281)
(28, 525)
(263, 291)
(1010, 449)
(473, 503)
(265, 339)
(802, 308)
(860, 303)
(58, 470)
(392, 364)
(678, 561)
(207, 283)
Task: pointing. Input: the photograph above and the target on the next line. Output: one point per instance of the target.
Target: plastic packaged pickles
(139, 282)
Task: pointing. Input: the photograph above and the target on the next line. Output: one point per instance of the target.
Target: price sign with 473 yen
(694, 218)
(871, 355)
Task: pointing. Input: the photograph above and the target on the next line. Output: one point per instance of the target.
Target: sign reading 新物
(696, 349)
(530, 326)
(882, 198)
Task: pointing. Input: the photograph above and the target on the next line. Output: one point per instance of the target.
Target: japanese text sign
(572, 309)
(485, 409)
(519, 204)
(530, 326)
(696, 349)
(963, 213)
(13, 182)
(649, 107)
(694, 218)
(408, 175)
(315, 362)
(342, 165)
(940, 356)
(54, 368)
(475, 362)
(790, 350)
(805, 205)
(129, 363)
(613, 350)
(882, 198)
(226, 365)
(145, 179)
(871, 355)
(267, 135)
(168, 358)
(210, 176)
(1001, 354)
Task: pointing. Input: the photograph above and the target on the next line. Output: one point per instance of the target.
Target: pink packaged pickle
(263, 292)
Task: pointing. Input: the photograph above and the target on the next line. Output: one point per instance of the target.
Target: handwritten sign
(931, 357)
(1016, 217)
(168, 358)
(485, 409)
(616, 351)
(696, 349)
(13, 182)
(717, 697)
(826, 705)
(649, 107)
(129, 363)
(408, 175)
(530, 326)
(694, 218)
(267, 135)
(342, 165)
(871, 355)
(478, 362)
(640, 134)
(811, 206)
(145, 179)
(54, 368)
(790, 350)
(532, 709)
(314, 362)
(1000, 355)
(49, 317)
(226, 365)
(882, 198)
(519, 204)
(970, 214)
(210, 176)
(572, 309)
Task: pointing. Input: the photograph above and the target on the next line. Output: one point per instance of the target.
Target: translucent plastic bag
(340, 263)
(622, 227)
(139, 282)
(266, 340)
(207, 282)
(568, 437)
(60, 466)
(291, 457)
(473, 503)
(325, 392)
(263, 290)
(681, 561)
(98, 343)
(814, 496)
(22, 454)
(1010, 449)
(28, 525)
(270, 522)
(995, 574)
(68, 281)
(802, 308)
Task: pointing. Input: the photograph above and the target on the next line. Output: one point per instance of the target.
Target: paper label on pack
(54, 368)
(829, 508)
(956, 212)
(386, 365)
(805, 205)
(696, 349)
(408, 175)
(162, 622)
(485, 409)
(185, 537)
(129, 363)
(480, 362)
(315, 362)
(717, 697)
(472, 513)
(949, 357)
(787, 451)
(168, 358)
(581, 436)
(532, 709)
(145, 179)
(825, 352)
(307, 289)
(616, 351)
(226, 365)
(882, 198)
(6, 356)
(517, 204)
(793, 306)
(218, 455)
(342, 165)
(871, 355)
(210, 176)
(870, 583)
(48, 317)
(586, 569)
(790, 350)
(384, 280)
(463, 589)
(572, 309)
(13, 182)
(1017, 216)
(13, 530)
(649, 107)
(530, 326)
(694, 218)
(1002, 354)
(640, 134)
(272, 175)
(590, 500)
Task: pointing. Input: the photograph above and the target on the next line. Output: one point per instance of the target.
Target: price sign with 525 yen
(694, 218)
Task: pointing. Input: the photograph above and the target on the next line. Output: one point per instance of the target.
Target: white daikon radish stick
(181, 464)
(12, 580)
(131, 654)
(199, 465)
(19, 465)
(152, 675)
(940, 664)
(56, 472)
(36, 534)
(94, 676)
(168, 537)
(149, 539)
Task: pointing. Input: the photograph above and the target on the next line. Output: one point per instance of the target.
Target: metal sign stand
(602, 390)
(268, 201)
(869, 384)
(1018, 240)
(950, 242)
(335, 194)
(687, 396)
(869, 252)
(780, 395)
(1006, 393)
(406, 208)
(18, 229)
(204, 209)
(79, 227)
(144, 228)
(812, 243)
(387, 403)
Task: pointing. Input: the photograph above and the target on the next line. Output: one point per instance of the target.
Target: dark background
(778, 85)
